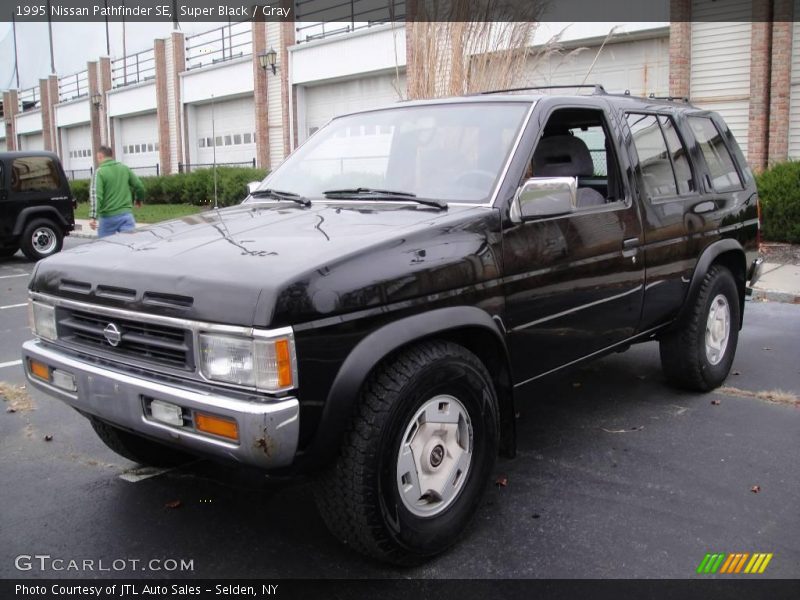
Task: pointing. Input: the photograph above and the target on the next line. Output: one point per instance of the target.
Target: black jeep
(36, 205)
(379, 304)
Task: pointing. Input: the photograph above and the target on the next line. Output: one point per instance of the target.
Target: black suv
(378, 305)
(36, 205)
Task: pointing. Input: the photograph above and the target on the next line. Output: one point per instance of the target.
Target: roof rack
(684, 99)
(598, 89)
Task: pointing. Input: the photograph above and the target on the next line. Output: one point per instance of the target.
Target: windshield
(450, 152)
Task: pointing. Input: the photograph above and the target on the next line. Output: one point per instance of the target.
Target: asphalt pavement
(617, 476)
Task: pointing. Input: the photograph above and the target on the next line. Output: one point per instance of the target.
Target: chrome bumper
(268, 432)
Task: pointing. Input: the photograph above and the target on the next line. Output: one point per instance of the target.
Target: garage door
(323, 102)
(720, 72)
(138, 143)
(794, 98)
(31, 141)
(641, 66)
(3, 145)
(76, 149)
(233, 131)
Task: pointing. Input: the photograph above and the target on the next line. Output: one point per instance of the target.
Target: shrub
(779, 192)
(196, 187)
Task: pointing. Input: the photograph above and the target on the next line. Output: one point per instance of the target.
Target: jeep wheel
(138, 449)
(41, 238)
(698, 356)
(416, 457)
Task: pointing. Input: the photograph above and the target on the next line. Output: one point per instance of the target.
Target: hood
(267, 264)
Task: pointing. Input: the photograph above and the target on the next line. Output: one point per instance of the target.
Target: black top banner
(379, 11)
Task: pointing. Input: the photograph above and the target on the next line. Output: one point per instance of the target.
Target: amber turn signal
(220, 426)
(40, 370)
(284, 361)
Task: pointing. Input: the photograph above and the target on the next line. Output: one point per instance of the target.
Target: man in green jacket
(112, 195)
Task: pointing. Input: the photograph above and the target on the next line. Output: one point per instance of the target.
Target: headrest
(562, 156)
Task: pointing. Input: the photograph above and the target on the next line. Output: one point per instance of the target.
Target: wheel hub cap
(435, 456)
(44, 240)
(718, 329)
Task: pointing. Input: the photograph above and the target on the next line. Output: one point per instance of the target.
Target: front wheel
(699, 354)
(416, 457)
(41, 238)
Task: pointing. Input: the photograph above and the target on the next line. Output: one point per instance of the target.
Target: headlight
(42, 319)
(267, 364)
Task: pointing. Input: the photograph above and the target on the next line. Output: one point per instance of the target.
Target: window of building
(218, 140)
(654, 158)
(227, 140)
(237, 138)
(246, 138)
(149, 147)
(34, 174)
(722, 169)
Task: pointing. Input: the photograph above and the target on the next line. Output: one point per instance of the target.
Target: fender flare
(709, 255)
(32, 212)
(370, 351)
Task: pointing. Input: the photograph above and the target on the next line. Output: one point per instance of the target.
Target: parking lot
(617, 476)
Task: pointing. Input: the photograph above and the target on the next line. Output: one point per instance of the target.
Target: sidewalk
(778, 283)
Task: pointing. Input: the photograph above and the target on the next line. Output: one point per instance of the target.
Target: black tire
(684, 358)
(41, 238)
(359, 497)
(138, 449)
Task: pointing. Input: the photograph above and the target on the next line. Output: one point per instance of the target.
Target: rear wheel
(138, 449)
(416, 457)
(699, 354)
(41, 238)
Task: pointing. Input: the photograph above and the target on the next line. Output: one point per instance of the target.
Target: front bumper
(268, 431)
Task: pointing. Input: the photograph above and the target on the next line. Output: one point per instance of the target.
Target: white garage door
(76, 148)
(3, 145)
(323, 102)
(31, 141)
(641, 66)
(233, 131)
(794, 98)
(138, 143)
(720, 62)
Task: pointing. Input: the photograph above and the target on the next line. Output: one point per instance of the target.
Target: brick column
(680, 47)
(412, 80)
(760, 59)
(52, 91)
(94, 112)
(48, 104)
(177, 58)
(104, 85)
(260, 83)
(781, 75)
(10, 110)
(162, 108)
(287, 39)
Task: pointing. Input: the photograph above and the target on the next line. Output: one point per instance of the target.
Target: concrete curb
(773, 296)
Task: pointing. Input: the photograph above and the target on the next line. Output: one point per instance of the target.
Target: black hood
(274, 264)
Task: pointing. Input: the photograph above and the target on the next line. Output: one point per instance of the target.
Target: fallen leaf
(755, 489)
(735, 373)
(715, 402)
(501, 481)
(11, 410)
(48, 438)
(173, 504)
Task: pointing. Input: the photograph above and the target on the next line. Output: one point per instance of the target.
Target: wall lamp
(268, 59)
(97, 100)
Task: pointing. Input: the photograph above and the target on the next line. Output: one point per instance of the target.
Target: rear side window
(680, 159)
(654, 157)
(34, 174)
(722, 169)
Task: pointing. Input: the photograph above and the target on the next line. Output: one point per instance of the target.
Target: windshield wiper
(279, 195)
(376, 194)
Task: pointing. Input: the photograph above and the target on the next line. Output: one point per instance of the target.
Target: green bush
(779, 192)
(195, 188)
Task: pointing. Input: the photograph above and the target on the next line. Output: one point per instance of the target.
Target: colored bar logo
(740, 562)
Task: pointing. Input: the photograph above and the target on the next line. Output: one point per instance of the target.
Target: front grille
(149, 342)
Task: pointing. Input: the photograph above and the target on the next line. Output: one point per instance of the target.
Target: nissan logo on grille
(112, 334)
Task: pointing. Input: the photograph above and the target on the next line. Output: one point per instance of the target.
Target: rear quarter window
(34, 174)
(721, 166)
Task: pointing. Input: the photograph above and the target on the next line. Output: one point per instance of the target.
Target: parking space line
(11, 363)
(17, 275)
(13, 306)
(141, 473)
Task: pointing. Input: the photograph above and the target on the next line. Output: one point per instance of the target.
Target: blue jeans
(117, 224)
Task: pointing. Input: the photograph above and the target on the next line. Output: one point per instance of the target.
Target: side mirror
(253, 186)
(542, 197)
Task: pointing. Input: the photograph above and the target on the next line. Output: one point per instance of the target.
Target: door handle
(630, 243)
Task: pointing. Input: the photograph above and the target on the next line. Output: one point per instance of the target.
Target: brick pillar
(104, 85)
(261, 79)
(287, 39)
(780, 81)
(52, 91)
(10, 110)
(760, 59)
(48, 116)
(412, 80)
(176, 66)
(680, 47)
(94, 112)
(162, 105)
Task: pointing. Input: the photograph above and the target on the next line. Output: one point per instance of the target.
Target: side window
(722, 169)
(34, 174)
(654, 157)
(679, 155)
